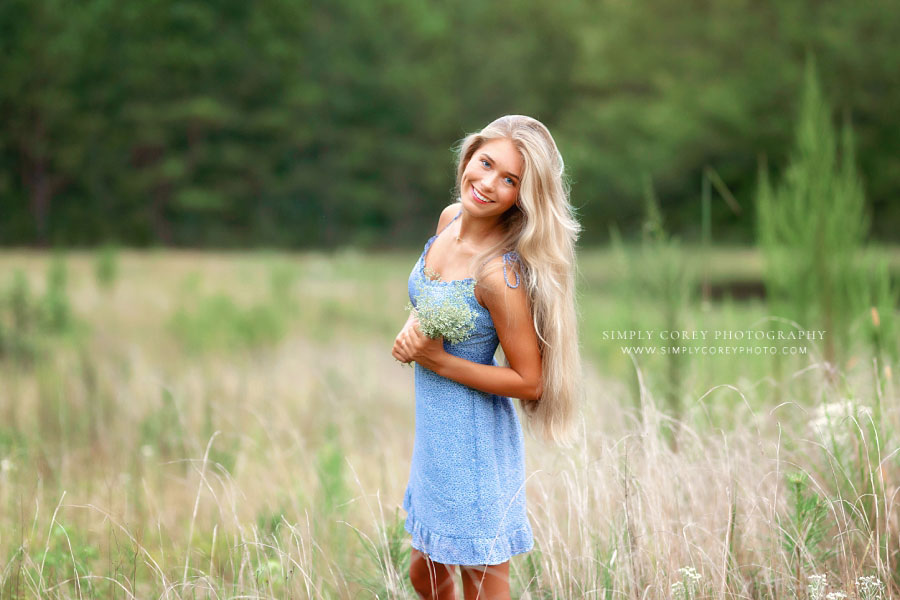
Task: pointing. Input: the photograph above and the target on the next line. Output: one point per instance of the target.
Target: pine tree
(812, 226)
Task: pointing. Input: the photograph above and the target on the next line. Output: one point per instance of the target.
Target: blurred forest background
(190, 421)
(326, 124)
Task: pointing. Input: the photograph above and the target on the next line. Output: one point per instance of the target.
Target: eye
(509, 181)
(485, 163)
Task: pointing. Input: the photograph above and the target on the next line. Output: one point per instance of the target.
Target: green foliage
(161, 430)
(389, 553)
(852, 438)
(532, 578)
(57, 315)
(268, 522)
(218, 323)
(282, 279)
(106, 267)
(19, 321)
(664, 279)
(66, 553)
(28, 323)
(224, 453)
(331, 470)
(629, 288)
(807, 523)
(154, 123)
(880, 326)
(270, 575)
(606, 565)
(20, 306)
(811, 228)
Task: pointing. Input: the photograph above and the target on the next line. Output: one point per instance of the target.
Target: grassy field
(215, 425)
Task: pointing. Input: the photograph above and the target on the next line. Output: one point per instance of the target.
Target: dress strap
(450, 223)
(508, 258)
(435, 236)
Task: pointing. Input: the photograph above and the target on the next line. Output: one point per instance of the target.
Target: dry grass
(134, 468)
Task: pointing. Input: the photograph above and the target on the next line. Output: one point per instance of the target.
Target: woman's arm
(513, 321)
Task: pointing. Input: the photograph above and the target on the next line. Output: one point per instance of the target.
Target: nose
(488, 181)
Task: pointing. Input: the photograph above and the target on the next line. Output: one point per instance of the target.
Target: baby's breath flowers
(445, 312)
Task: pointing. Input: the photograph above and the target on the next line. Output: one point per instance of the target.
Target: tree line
(327, 123)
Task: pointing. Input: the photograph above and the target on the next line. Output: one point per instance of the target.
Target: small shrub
(804, 533)
(18, 321)
(106, 266)
(57, 314)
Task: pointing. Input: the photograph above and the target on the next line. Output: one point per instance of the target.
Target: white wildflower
(690, 573)
(869, 588)
(836, 596)
(833, 420)
(687, 588)
(816, 587)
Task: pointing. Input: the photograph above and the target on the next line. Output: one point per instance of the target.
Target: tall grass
(137, 467)
(657, 287)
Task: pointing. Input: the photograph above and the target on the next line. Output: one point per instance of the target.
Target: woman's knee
(419, 574)
(489, 582)
(430, 579)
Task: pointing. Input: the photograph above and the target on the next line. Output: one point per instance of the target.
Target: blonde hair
(541, 228)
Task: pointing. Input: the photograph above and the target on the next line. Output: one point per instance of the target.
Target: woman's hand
(413, 345)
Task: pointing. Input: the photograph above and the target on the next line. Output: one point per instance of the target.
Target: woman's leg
(490, 582)
(432, 580)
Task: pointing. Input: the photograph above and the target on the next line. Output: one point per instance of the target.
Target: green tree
(813, 225)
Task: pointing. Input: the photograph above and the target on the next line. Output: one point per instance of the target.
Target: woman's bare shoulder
(500, 290)
(501, 276)
(447, 215)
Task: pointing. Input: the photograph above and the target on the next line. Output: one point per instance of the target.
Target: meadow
(182, 424)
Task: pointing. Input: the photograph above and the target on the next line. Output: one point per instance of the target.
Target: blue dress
(465, 500)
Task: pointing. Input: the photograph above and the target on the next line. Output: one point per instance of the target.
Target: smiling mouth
(479, 197)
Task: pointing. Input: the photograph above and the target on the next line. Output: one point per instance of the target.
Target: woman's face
(490, 181)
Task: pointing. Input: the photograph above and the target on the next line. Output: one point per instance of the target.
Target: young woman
(507, 248)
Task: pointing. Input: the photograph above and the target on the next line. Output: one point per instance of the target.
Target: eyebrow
(494, 161)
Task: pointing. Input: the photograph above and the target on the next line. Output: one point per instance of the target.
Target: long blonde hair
(542, 230)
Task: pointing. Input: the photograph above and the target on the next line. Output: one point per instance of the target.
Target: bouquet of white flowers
(446, 314)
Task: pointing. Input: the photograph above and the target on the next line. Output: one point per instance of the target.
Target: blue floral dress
(465, 500)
